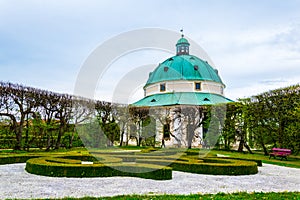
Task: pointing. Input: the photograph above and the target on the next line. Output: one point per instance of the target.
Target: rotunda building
(182, 80)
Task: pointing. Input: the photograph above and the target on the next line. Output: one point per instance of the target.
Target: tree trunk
(138, 138)
(280, 134)
(266, 153)
(122, 135)
(26, 146)
(19, 140)
(190, 135)
(60, 133)
(227, 144)
(241, 144)
(262, 144)
(19, 131)
(72, 138)
(247, 147)
(48, 143)
(71, 141)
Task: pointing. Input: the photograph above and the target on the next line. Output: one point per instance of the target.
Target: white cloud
(260, 87)
(253, 59)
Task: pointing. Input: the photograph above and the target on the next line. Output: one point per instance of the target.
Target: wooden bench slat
(283, 153)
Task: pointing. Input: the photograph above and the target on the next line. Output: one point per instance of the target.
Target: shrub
(208, 166)
(258, 162)
(147, 165)
(62, 167)
(15, 159)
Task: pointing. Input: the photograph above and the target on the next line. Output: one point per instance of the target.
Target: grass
(223, 196)
(293, 161)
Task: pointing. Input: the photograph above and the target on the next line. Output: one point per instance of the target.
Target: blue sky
(254, 44)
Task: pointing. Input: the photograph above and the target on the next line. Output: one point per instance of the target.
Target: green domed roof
(183, 67)
(182, 41)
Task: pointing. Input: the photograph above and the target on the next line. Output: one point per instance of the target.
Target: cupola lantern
(182, 46)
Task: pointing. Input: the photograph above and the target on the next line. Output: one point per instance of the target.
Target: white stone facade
(185, 86)
(178, 130)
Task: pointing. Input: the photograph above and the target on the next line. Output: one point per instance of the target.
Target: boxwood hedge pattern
(8, 159)
(66, 167)
(157, 165)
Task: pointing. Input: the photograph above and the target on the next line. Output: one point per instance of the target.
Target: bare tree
(63, 114)
(138, 115)
(17, 102)
(82, 111)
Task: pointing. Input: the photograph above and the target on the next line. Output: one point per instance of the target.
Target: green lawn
(293, 161)
(242, 195)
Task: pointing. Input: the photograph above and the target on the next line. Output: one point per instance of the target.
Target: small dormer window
(162, 87)
(197, 86)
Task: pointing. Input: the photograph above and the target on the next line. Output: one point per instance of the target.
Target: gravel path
(15, 182)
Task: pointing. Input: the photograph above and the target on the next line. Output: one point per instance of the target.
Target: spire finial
(182, 45)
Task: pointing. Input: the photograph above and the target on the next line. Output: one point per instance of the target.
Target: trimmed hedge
(232, 167)
(208, 166)
(15, 159)
(258, 162)
(62, 167)
(156, 165)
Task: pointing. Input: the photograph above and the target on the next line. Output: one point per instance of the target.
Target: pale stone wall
(159, 133)
(152, 89)
(212, 87)
(180, 131)
(179, 86)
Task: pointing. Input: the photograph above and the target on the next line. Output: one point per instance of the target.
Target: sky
(255, 45)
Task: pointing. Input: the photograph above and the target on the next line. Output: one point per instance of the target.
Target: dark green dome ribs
(184, 67)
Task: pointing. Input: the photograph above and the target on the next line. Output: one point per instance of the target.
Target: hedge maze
(157, 165)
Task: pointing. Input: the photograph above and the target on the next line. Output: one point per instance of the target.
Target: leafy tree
(91, 134)
(149, 131)
(106, 117)
(138, 116)
(230, 125)
(272, 118)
